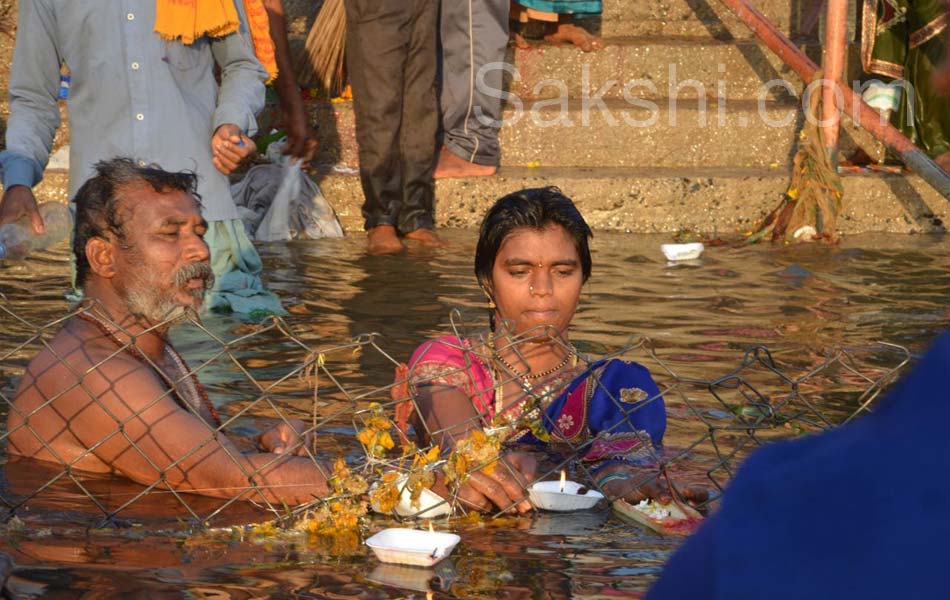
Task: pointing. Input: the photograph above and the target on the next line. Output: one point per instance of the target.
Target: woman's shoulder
(620, 365)
(445, 349)
(623, 371)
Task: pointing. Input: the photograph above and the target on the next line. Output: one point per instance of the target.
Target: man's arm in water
(135, 425)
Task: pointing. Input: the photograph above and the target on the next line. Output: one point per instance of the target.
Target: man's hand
(505, 487)
(229, 146)
(287, 438)
(301, 140)
(19, 202)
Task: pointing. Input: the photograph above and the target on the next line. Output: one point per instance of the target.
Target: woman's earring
(491, 304)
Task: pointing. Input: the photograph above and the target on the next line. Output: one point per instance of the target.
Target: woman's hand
(503, 489)
(287, 438)
(620, 482)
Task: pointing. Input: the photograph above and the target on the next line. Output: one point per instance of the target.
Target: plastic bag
(275, 226)
(279, 203)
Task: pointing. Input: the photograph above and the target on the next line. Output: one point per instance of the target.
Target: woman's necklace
(539, 375)
(197, 390)
(514, 412)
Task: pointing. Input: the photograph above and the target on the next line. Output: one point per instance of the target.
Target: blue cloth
(606, 411)
(131, 93)
(859, 512)
(564, 7)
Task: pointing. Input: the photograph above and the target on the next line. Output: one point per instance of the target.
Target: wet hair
(98, 201)
(533, 208)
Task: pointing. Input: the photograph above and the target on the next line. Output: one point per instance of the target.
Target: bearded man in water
(110, 394)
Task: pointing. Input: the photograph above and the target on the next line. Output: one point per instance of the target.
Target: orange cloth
(260, 34)
(192, 19)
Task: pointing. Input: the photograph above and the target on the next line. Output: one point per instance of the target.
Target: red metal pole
(854, 106)
(836, 26)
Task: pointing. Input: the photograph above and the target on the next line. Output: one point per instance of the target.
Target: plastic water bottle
(17, 240)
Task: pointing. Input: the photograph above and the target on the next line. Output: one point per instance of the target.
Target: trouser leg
(421, 118)
(474, 38)
(376, 49)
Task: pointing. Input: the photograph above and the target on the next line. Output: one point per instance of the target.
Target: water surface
(700, 316)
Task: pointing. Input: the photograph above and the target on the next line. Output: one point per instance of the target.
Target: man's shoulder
(80, 352)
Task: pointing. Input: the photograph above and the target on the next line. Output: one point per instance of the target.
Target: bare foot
(382, 239)
(426, 237)
(450, 165)
(520, 43)
(943, 161)
(566, 32)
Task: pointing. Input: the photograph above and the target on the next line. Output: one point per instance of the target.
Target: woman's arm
(446, 416)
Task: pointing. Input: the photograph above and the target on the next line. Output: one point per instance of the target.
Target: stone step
(716, 200)
(630, 18)
(615, 133)
(658, 66)
(688, 17)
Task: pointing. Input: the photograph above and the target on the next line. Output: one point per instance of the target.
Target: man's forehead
(145, 205)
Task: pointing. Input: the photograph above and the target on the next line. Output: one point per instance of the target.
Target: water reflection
(701, 316)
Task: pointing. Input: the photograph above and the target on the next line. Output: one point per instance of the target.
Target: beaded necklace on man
(199, 397)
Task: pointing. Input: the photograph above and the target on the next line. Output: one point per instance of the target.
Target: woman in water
(523, 379)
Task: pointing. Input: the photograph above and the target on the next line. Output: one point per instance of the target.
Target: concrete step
(615, 133)
(716, 200)
(658, 66)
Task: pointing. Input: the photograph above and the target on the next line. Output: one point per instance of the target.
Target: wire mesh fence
(340, 446)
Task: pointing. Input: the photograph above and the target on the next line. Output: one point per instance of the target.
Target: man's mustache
(199, 270)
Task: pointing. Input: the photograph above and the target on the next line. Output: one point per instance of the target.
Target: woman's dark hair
(97, 201)
(534, 208)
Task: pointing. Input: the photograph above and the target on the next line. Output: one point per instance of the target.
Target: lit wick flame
(430, 527)
(563, 480)
(429, 594)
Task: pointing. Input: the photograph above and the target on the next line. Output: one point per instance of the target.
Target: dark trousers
(391, 60)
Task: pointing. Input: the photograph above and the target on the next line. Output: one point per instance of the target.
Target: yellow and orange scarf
(192, 19)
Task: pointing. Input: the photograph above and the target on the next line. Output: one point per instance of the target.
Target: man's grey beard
(145, 301)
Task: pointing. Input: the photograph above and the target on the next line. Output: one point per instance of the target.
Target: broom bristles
(322, 61)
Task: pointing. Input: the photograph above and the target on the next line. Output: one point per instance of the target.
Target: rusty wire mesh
(712, 423)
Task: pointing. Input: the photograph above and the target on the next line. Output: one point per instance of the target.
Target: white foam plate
(547, 495)
(682, 251)
(412, 546)
(431, 505)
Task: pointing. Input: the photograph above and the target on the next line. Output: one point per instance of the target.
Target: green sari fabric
(901, 39)
(237, 267)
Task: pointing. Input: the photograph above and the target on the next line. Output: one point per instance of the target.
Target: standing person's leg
(420, 117)
(376, 47)
(474, 34)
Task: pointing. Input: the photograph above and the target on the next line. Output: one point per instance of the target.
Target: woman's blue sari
(615, 401)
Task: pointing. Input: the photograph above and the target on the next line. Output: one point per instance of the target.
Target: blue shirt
(132, 93)
(858, 512)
